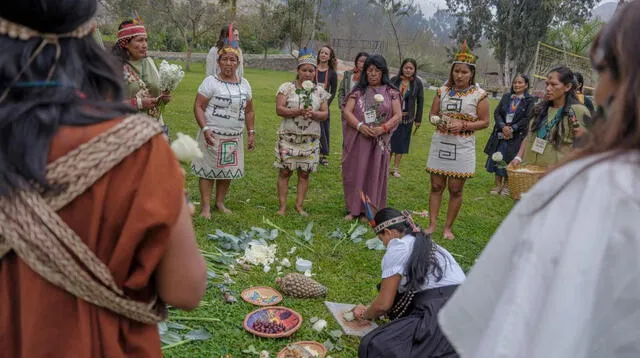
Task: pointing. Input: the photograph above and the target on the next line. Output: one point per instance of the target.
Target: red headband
(131, 30)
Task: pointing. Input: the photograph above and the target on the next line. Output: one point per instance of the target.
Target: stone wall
(271, 62)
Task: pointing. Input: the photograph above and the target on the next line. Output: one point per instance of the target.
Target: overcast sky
(430, 6)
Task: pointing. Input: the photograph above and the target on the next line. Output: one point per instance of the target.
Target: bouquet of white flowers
(306, 91)
(170, 76)
(499, 160)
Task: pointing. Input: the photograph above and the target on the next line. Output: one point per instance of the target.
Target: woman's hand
(366, 131)
(149, 102)
(507, 131)
(579, 132)
(209, 137)
(165, 97)
(515, 162)
(252, 142)
(454, 125)
(358, 311)
(307, 113)
(378, 131)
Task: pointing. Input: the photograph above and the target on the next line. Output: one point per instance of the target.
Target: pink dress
(365, 160)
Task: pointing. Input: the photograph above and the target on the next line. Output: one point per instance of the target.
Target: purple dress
(365, 160)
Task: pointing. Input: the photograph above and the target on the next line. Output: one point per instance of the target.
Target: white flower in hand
(186, 148)
(378, 98)
(319, 325)
(497, 157)
(307, 85)
(434, 120)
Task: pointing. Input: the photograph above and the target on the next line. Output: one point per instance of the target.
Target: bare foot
(282, 211)
(348, 217)
(448, 234)
(301, 211)
(430, 230)
(205, 212)
(223, 209)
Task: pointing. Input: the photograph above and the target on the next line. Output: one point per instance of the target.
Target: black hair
(85, 88)
(525, 78)
(381, 64)
(360, 54)
(579, 79)
(118, 51)
(423, 258)
(540, 112)
(404, 62)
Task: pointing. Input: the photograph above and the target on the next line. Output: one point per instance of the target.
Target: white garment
(212, 63)
(397, 256)
(562, 280)
(227, 103)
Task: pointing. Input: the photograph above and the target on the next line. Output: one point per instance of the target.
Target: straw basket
(315, 346)
(522, 178)
(291, 319)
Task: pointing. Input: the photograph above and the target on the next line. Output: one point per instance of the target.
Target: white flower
(348, 316)
(170, 76)
(285, 262)
(497, 157)
(186, 148)
(378, 98)
(308, 273)
(258, 253)
(266, 268)
(319, 325)
(292, 251)
(279, 269)
(307, 85)
(264, 354)
(434, 120)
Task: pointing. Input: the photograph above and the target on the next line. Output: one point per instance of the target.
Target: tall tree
(394, 11)
(192, 18)
(514, 27)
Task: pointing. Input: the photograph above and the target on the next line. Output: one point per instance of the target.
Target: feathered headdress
(306, 57)
(229, 44)
(135, 28)
(465, 56)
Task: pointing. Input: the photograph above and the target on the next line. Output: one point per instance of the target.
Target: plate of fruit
(273, 322)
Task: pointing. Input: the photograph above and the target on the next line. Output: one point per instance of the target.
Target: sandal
(395, 172)
(496, 190)
(324, 161)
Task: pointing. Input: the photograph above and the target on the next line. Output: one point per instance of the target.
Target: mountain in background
(605, 11)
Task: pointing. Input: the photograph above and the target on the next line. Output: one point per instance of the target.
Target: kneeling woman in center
(302, 106)
(418, 277)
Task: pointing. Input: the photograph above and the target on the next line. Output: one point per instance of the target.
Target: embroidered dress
(454, 155)
(298, 144)
(225, 117)
(142, 80)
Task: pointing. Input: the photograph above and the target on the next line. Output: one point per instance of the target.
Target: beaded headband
(24, 33)
(405, 217)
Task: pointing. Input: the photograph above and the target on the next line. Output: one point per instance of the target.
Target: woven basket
(290, 318)
(261, 296)
(318, 347)
(522, 178)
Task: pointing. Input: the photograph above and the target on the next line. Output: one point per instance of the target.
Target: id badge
(539, 145)
(509, 118)
(234, 110)
(370, 116)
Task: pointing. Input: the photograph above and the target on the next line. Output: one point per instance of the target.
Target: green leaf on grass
(198, 335)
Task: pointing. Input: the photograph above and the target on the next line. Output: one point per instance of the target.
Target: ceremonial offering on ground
(273, 322)
(522, 178)
(261, 296)
(303, 349)
(351, 328)
(300, 286)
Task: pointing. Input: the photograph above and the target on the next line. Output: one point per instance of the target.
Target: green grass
(350, 273)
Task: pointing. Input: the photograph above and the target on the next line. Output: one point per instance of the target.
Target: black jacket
(415, 100)
(520, 125)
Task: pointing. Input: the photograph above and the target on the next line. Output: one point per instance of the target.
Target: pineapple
(300, 286)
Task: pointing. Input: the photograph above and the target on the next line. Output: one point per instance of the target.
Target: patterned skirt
(452, 155)
(297, 152)
(222, 160)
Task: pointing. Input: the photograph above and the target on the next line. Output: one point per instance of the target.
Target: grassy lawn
(350, 272)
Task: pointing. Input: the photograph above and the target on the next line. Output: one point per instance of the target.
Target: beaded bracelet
(384, 127)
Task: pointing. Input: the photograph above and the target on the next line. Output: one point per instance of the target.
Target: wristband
(205, 128)
(384, 127)
(518, 158)
(252, 131)
(139, 103)
(358, 126)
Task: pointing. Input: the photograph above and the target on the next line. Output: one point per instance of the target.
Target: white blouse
(397, 256)
(561, 275)
(227, 103)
